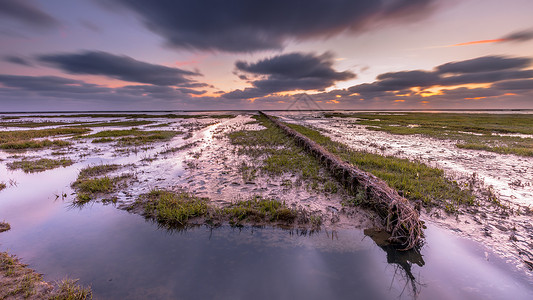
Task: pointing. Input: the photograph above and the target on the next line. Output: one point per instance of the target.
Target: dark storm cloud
(289, 72)
(484, 64)
(49, 83)
(60, 87)
(485, 77)
(519, 36)
(117, 66)
(488, 69)
(526, 84)
(16, 60)
(27, 13)
(245, 26)
(190, 91)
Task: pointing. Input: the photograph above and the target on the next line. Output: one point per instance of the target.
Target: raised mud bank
(400, 218)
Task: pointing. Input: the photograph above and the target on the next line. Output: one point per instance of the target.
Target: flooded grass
(92, 188)
(31, 124)
(24, 139)
(132, 116)
(24, 145)
(132, 137)
(181, 209)
(259, 210)
(4, 226)
(18, 281)
(89, 187)
(68, 289)
(280, 155)
(24, 135)
(92, 171)
(413, 180)
(115, 124)
(39, 165)
(174, 208)
(471, 131)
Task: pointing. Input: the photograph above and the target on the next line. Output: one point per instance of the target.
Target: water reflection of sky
(123, 256)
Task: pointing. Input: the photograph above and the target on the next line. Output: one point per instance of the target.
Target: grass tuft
(4, 226)
(43, 164)
(88, 186)
(68, 289)
(132, 137)
(181, 209)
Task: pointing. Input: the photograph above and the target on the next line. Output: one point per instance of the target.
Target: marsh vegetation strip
(129, 137)
(128, 116)
(181, 209)
(115, 124)
(90, 184)
(279, 154)
(32, 124)
(500, 133)
(25, 139)
(413, 180)
(17, 281)
(39, 165)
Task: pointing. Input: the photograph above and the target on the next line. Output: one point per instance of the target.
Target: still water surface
(121, 255)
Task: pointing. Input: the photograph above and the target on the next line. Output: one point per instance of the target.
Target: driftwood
(401, 220)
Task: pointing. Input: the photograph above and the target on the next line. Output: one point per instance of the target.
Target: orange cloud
(479, 42)
(475, 98)
(399, 100)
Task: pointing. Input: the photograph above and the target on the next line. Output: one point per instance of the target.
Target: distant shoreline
(273, 110)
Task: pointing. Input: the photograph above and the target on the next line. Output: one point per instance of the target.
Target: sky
(60, 55)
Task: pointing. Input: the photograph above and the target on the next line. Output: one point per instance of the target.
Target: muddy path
(212, 169)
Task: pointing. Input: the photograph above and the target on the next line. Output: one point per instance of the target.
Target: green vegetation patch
(89, 187)
(115, 124)
(134, 116)
(98, 170)
(24, 145)
(471, 131)
(181, 209)
(280, 155)
(31, 124)
(24, 139)
(175, 209)
(414, 180)
(258, 209)
(39, 165)
(132, 137)
(20, 282)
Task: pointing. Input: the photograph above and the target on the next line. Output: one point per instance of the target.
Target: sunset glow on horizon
(176, 55)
